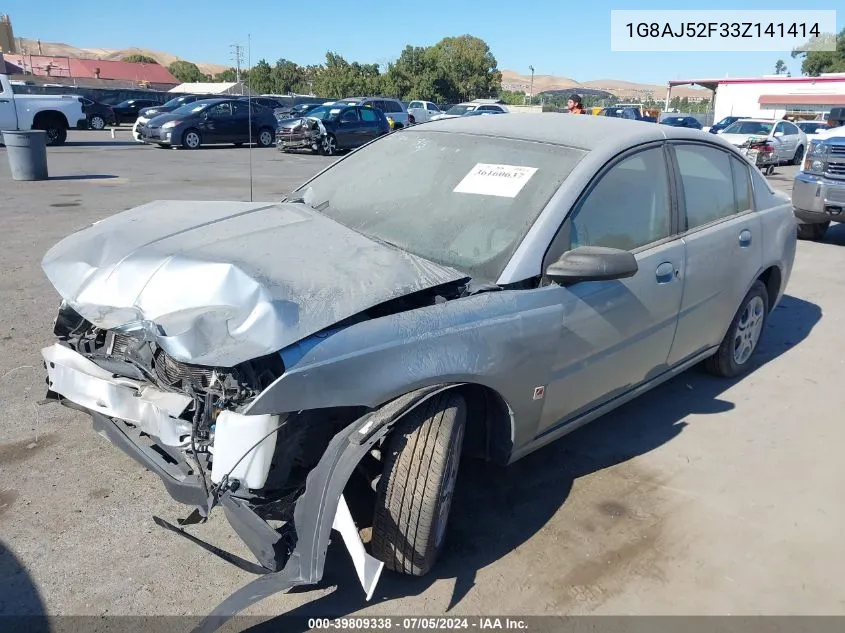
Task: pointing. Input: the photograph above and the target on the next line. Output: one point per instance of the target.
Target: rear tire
(97, 122)
(813, 232)
(799, 154)
(415, 491)
(743, 336)
(55, 129)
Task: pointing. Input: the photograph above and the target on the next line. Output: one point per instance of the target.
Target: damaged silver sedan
(507, 280)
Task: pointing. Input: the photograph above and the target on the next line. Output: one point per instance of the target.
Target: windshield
(749, 127)
(191, 108)
(460, 109)
(175, 102)
(461, 200)
(727, 121)
(325, 112)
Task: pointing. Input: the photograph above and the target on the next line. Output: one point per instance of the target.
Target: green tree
(287, 77)
(139, 59)
(335, 78)
(227, 76)
(816, 62)
(514, 97)
(261, 80)
(467, 69)
(186, 72)
(780, 67)
(413, 75)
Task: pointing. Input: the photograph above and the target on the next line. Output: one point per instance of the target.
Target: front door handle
(665, 273)
(745, 239)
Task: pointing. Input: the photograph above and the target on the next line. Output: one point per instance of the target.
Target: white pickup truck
(422, 111)
(54, 114)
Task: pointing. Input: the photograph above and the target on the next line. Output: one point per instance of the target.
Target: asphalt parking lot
(703, 497)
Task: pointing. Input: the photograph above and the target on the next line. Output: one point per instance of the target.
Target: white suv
(482, 105)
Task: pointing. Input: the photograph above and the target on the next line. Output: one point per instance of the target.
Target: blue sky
(570, 39)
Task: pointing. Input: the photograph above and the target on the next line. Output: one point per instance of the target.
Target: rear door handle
(745, 238)
(665, 273)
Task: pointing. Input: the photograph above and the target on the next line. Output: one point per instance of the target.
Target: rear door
(786, 143)
(370, 127)
(723, 243)
(240, 122)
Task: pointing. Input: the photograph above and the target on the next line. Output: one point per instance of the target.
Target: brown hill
(54, 49)
(622, 89)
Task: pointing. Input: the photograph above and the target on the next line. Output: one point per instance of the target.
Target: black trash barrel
(27, 151)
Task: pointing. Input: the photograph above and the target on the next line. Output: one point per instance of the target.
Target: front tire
(814, 231)
(743, 336)
(329, 145)
(97, 122)
(265, 137)
(414, 493)
(191, 139)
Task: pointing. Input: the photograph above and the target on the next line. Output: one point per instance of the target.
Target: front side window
(369, 115)
(628, 208)
(708, 184)
(350, 116)
(220, 109)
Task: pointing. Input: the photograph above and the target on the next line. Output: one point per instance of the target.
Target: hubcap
(97, 123)
(448, 488)
(748, 330)
(266, 139)
(192, 140)
(329, 145)
(52, 135)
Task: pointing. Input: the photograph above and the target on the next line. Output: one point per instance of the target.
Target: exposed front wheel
(329, 145)
(813, 232)
(414, 493)
(743, 336)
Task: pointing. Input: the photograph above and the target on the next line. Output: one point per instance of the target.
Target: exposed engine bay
(308, 133)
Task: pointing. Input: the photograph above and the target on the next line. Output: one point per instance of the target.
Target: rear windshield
(461, 200)
(749, 127)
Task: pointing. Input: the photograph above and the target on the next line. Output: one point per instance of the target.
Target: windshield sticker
(487, 179)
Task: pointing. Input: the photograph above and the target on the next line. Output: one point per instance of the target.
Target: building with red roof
(102, 71)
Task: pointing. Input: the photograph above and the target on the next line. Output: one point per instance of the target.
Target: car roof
(583, 132)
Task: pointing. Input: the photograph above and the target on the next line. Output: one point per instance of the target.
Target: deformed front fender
(315, 510)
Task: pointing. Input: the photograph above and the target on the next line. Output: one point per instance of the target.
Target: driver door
(218, 123)
(617, 334)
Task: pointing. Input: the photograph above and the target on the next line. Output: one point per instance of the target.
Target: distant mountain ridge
(511, 80)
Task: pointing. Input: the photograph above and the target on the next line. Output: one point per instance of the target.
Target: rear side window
(708, 184)
(628, 208)
(742, 186)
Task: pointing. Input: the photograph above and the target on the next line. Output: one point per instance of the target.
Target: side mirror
(592, 263)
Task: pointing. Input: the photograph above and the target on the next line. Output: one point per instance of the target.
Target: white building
(772, 96)
(221, 88)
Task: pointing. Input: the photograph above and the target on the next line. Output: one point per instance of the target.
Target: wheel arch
(44, 116)
(772, 278)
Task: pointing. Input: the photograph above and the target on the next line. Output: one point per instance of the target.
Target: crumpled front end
(305, 133)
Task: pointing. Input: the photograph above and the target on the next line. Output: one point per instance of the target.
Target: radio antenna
(249, 109)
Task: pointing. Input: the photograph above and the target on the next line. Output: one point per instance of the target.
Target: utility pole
(531, 96)
(238, 57)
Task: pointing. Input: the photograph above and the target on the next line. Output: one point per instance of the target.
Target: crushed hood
(219, 283)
